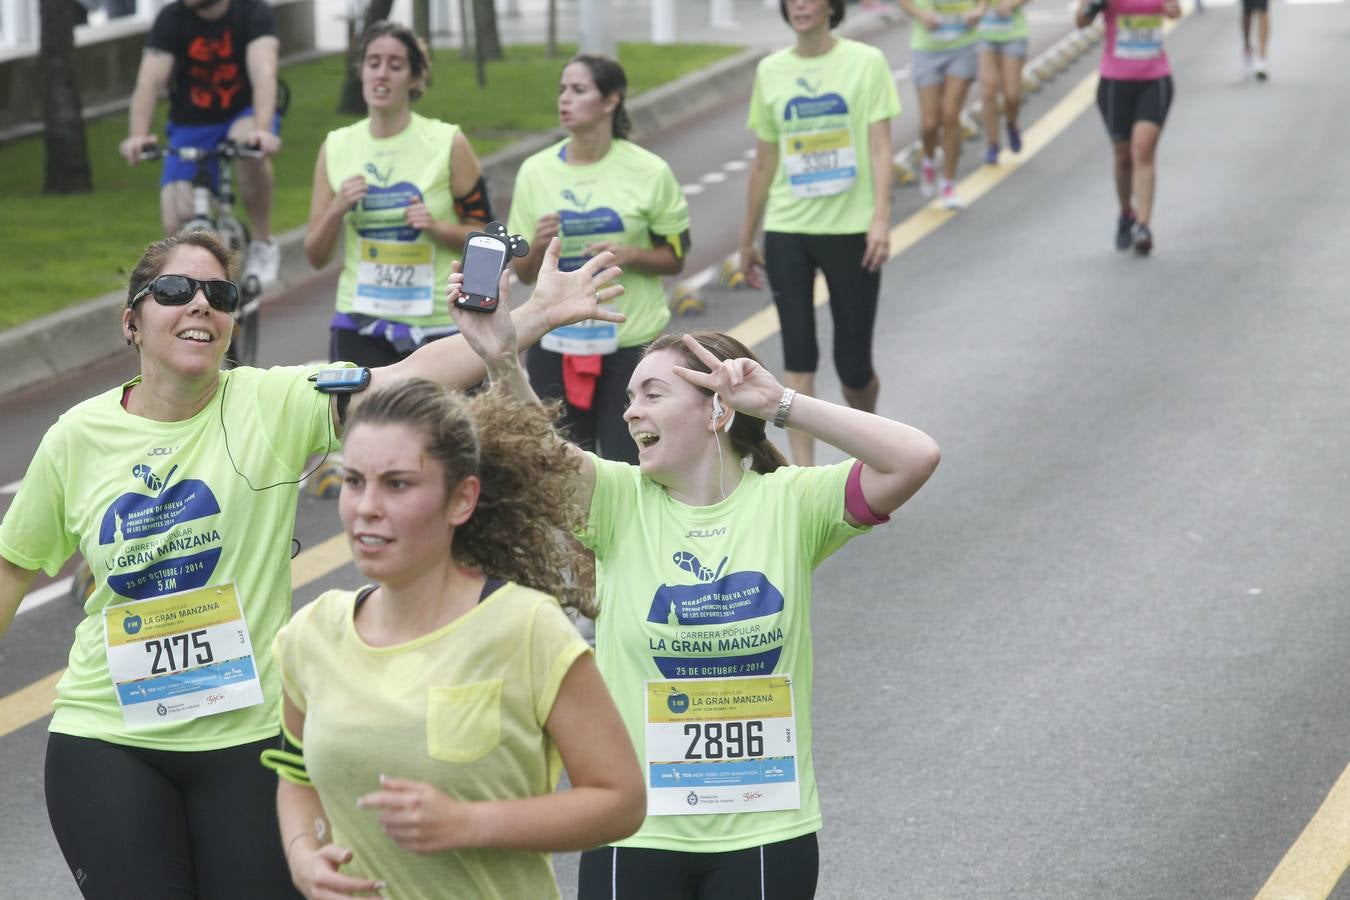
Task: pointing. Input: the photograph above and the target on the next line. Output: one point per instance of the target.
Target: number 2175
(172, 653)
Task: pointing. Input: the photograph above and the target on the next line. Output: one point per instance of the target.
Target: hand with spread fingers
(314, 869)
(567, 297)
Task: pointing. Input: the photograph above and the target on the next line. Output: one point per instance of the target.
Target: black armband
(677, 242)
(287, 760)
(475, 204)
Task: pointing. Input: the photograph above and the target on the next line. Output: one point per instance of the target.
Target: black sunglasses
(177, 290)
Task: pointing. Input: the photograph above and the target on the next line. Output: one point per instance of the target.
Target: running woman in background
(431, 713)
(821, 182)
(945, 61)
(1134, 93)
(1260, 11)
(704, 591)
(1003, 52)
(599, 191)
(179, 487)
(403, 191)
(218, 59)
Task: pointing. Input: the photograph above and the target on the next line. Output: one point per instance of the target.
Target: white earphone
(718, 410)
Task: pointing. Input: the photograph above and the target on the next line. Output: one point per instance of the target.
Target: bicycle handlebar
(223, 150)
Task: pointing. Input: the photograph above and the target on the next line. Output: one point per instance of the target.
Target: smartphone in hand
(484, 259)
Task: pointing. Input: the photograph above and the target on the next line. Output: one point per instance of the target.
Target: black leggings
(137, 823)
(600, 428)
(1123, 102)
(785, 870)
(791, 261)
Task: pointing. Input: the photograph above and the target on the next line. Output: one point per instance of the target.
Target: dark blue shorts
(206, 137)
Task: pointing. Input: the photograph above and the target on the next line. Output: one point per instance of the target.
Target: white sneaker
(927, 177)
(263, 263)
(1262, 73)
(949, 198)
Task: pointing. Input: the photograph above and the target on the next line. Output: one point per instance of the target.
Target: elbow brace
(475, 204)
(287, 760)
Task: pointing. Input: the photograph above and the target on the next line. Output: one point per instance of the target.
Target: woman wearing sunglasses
(179, 488)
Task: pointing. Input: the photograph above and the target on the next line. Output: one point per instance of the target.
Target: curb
(86, 333)
(686, 296)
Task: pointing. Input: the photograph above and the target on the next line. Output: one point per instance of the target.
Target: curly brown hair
(521, 529)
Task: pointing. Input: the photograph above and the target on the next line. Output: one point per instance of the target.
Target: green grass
(60, 250)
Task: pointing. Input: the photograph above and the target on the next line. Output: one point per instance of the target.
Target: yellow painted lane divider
(33, 702)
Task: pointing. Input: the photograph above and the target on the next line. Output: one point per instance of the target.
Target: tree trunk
(552, 28)
(422, 19)
(485, 29)
(67, 163)
(351, 101)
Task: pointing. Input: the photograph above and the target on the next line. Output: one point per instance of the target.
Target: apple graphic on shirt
(581, 228)
(830, 104)
(379, 215)
(734, 597)
(131, 624)
(134, 516)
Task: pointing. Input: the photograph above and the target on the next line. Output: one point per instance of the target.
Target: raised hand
(491, 335)
(568, 297)
(743, 384)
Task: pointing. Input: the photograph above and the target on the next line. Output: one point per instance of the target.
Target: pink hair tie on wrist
(856, 503)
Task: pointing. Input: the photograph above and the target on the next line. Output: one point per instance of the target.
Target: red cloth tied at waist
(579, 376)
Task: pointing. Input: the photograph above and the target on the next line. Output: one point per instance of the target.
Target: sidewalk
(83, 334)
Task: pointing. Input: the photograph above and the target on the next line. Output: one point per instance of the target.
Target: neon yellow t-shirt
(721, 592)
(627, 197)
(158, 508)
(462, 708)
(391, 270)
(818, 110)
(953, 32)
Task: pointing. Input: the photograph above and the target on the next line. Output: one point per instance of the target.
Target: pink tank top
(1133, 49)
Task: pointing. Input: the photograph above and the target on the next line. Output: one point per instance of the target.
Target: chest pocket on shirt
(464, 721)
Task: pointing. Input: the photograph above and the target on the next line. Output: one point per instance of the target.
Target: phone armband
(345, 380)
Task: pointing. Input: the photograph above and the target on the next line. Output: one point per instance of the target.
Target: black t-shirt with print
(210, 82)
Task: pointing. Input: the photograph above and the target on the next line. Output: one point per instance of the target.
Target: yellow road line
(28, 704)
(1317, 860)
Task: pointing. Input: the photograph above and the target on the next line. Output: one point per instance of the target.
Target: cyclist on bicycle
(219, 60)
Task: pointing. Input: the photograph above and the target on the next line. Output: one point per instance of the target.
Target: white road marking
(691, 189)
(11, 488)
(736, 165)
(45, 595)
(713, 178)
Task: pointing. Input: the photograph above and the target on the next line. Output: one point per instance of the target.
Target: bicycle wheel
(244, 347)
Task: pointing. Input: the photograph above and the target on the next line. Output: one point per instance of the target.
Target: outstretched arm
(494, 339)
(559, 298)
(896, 458)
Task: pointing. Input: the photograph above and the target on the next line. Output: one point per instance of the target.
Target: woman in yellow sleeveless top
(404, 191)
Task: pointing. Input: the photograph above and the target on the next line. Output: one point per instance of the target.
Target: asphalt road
(1101, 654)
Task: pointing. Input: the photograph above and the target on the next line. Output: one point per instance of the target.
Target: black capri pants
(1122, 103)
(136, 823)
(785, 870)
(791, 262)
(600, 429)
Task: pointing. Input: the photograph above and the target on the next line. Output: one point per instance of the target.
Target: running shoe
(927, 177)
(991, 155)
(1143, 239)
(1124, 230)
(263, 263)
(1262, 72)
(1014, 138)
(949, 198)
